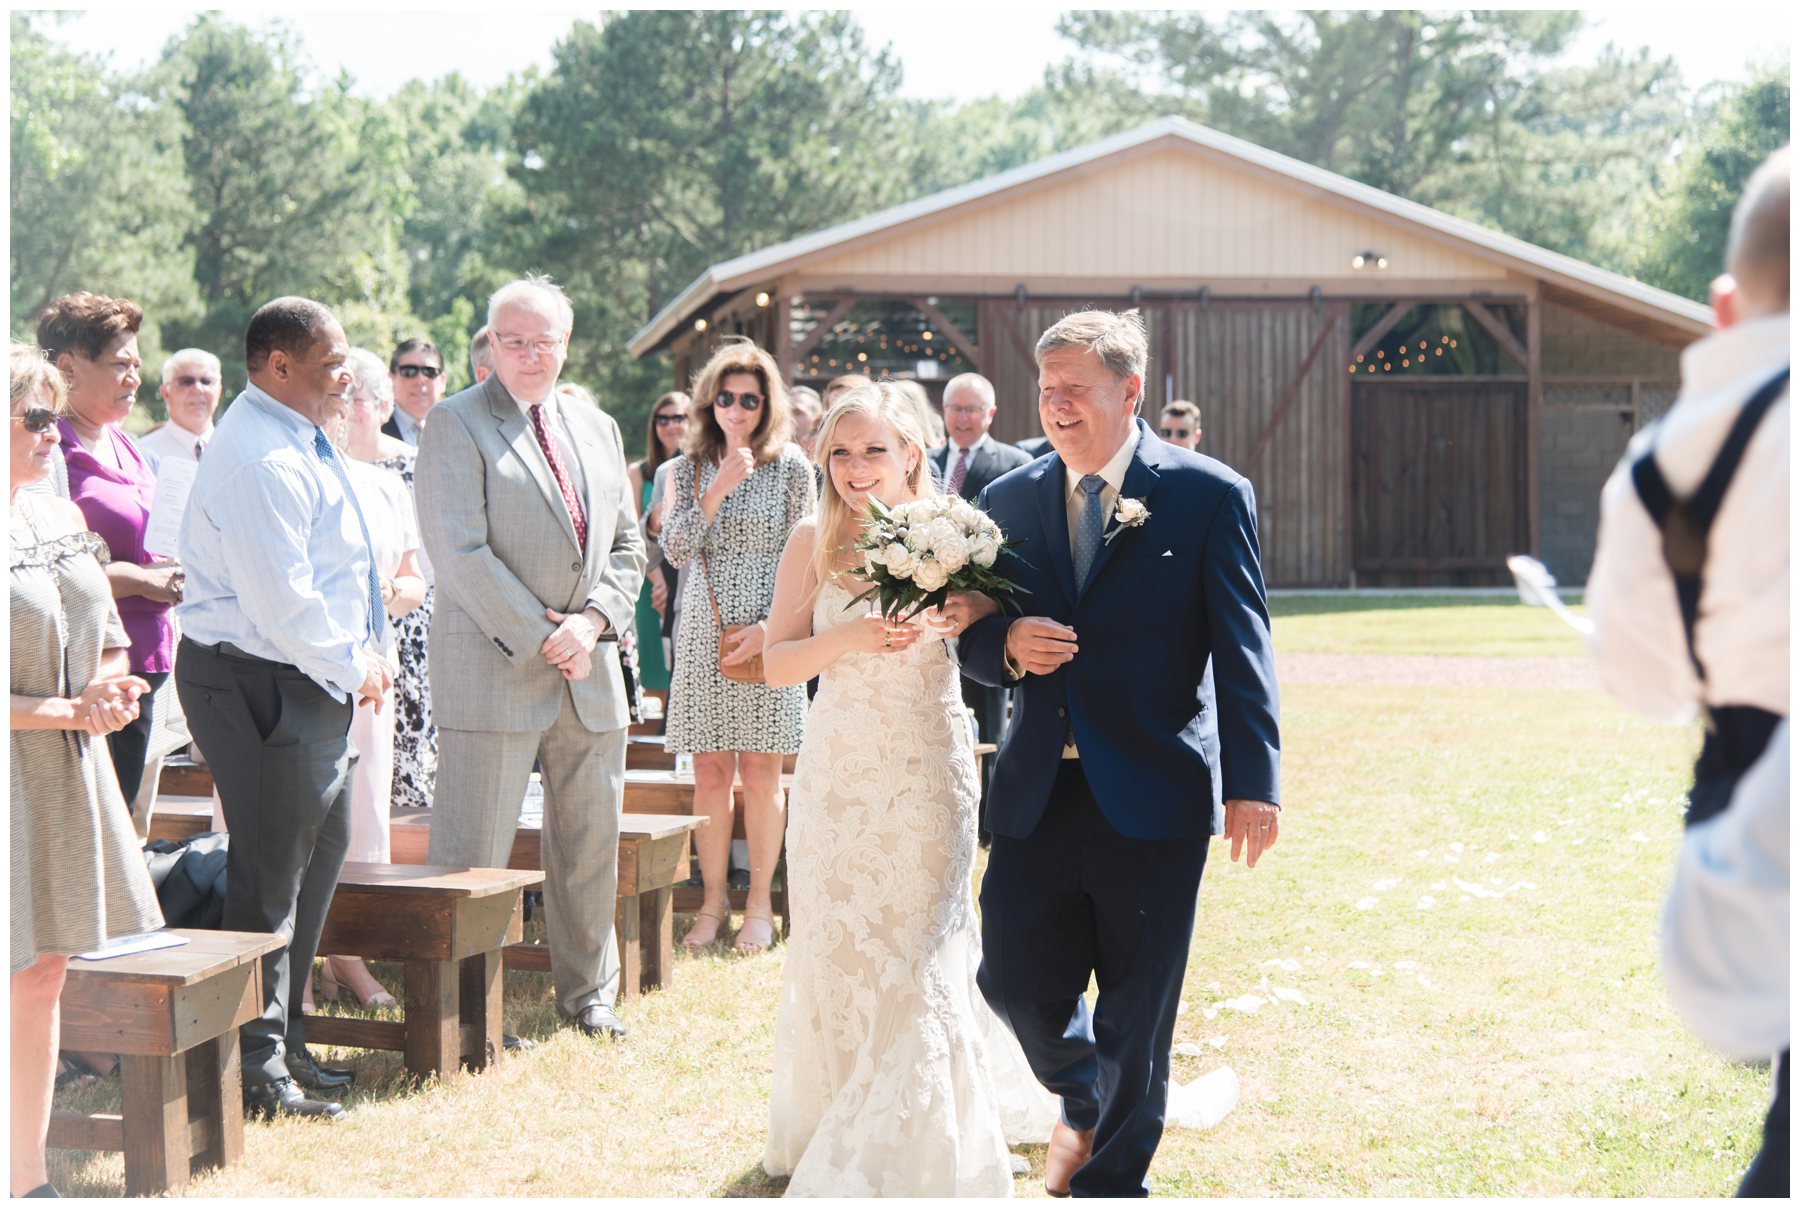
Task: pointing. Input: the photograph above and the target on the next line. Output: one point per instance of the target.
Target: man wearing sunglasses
(192, 383)
(1179, 425)
(417, 368)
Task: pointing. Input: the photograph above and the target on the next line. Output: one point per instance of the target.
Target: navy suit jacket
(1152, 744)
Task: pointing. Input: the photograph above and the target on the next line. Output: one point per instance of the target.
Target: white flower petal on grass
(1452, 859)
(1286, 964)
(1209, 1013)
(1188, 1049)
(1181, 1007)
(1406, 964)
(1361, 965)
(1385, 883)
(1639, 837)
(1217, 1042)
(1020, 1163)
(1284, 994)
(1247, 1004)
(1422, 854)
(1457, 847)
(1427, 902)
(1491, 857)
(1439, 886)
(1540, 837)
(1367, 903)
(1426, 982)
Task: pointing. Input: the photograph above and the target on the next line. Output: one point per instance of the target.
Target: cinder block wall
(1586, 426)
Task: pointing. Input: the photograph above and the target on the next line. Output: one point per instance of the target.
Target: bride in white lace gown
(892, 1075)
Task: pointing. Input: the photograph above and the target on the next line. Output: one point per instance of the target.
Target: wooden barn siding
(1235, 360)
(1168, 215)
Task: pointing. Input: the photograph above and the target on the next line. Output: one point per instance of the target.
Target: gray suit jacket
(991, 460)
(504, 550)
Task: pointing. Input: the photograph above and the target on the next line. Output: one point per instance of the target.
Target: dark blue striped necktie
(328, 455)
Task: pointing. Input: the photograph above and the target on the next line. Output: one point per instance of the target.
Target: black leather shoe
(597, 1020)
(516, 1044)
(315, 1077)
(266, 1100)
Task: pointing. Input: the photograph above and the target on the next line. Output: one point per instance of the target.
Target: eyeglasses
(412, 371)
(669, 421)
(746, 400)
(37, 420)
(189, 380)
(1176, 433)
(957, 410)
(516, 345)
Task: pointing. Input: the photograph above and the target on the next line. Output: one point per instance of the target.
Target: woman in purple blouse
(93, 341)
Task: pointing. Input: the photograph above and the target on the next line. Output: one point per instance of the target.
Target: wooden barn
(1414, 396)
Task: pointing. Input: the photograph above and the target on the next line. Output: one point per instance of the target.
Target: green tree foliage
(299, 188)
(1688, 226)
(662, 142)
(98, 188)
(1463, 111)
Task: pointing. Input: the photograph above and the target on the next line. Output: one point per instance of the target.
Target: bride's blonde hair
(888, 406)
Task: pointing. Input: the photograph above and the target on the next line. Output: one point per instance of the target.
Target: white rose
(966, 515)
(983, 549)
(930, 575)
(876, 556)
(917, 539)
(899, 560)
(942, 532)
(952, 555)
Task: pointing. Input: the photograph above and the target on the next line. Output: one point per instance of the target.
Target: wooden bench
(182, 777)
(446, 927)
(177, 817)
(653, 851)
(172, 1015)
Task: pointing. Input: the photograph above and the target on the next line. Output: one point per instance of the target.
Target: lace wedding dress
(892, 1075)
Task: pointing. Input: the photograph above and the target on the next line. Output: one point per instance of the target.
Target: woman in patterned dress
(415, 738)
(734, 497)
(78, 878)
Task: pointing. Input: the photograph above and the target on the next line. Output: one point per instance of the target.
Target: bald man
(1689, 597)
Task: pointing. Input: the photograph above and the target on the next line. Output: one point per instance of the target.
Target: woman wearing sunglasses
(77, 876)
(667, 428)
(734, 497)
(93, 342)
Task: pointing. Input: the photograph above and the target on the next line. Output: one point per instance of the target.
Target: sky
(384, 47)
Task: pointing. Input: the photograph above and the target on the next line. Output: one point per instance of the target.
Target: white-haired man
(524, 510)
(192, 382)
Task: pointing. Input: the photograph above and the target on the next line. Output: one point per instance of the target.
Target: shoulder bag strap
(705, 574)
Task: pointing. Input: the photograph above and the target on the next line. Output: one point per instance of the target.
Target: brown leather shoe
(1069, 1150)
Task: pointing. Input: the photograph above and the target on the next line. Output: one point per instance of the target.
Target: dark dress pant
(279, 749)
(990, 724)
(1076, 898)
(129, 746)
(1768, 1176)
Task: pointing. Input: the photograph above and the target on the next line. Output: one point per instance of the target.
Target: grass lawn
(1465, 898)
(1491, 626)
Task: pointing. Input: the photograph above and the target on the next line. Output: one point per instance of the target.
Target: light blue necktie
(322, 446)
(1087, 532)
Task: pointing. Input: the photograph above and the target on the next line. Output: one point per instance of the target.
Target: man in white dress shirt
(1689, 595)
(192, 383)
(282, 625)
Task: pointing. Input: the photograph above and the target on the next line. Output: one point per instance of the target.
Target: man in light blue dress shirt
(282, 623)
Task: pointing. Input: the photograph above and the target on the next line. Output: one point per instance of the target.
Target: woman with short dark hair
(93, 341)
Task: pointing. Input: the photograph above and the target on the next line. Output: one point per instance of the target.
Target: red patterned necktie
(960, 472)
(561, 473)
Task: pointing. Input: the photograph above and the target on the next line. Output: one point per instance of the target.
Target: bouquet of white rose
(915, 554)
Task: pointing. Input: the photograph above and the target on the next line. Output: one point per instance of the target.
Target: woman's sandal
(699, 936)
(748, 944)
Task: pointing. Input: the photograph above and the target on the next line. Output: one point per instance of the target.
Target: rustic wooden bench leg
(627, 930)
(433, 1017)
(156, 1123)
(215, 1099)
(656, 930)
(482, 997)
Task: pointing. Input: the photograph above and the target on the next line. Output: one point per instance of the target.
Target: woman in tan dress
(78, 877)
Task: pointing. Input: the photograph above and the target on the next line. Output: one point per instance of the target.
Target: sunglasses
(412, 371)
(748, 401)
(669, 421)
(189, 380)
(37, 420)
(1177, 433)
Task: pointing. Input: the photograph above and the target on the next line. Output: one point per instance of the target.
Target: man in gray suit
(965, 463)
(525, 514)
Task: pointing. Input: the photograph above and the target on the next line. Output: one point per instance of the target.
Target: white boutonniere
(1127, 513)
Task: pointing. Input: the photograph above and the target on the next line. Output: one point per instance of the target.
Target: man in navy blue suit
(1101, 804)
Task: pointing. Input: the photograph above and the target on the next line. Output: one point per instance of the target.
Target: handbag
(750, 672)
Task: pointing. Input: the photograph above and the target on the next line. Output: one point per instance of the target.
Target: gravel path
(1435, 671)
